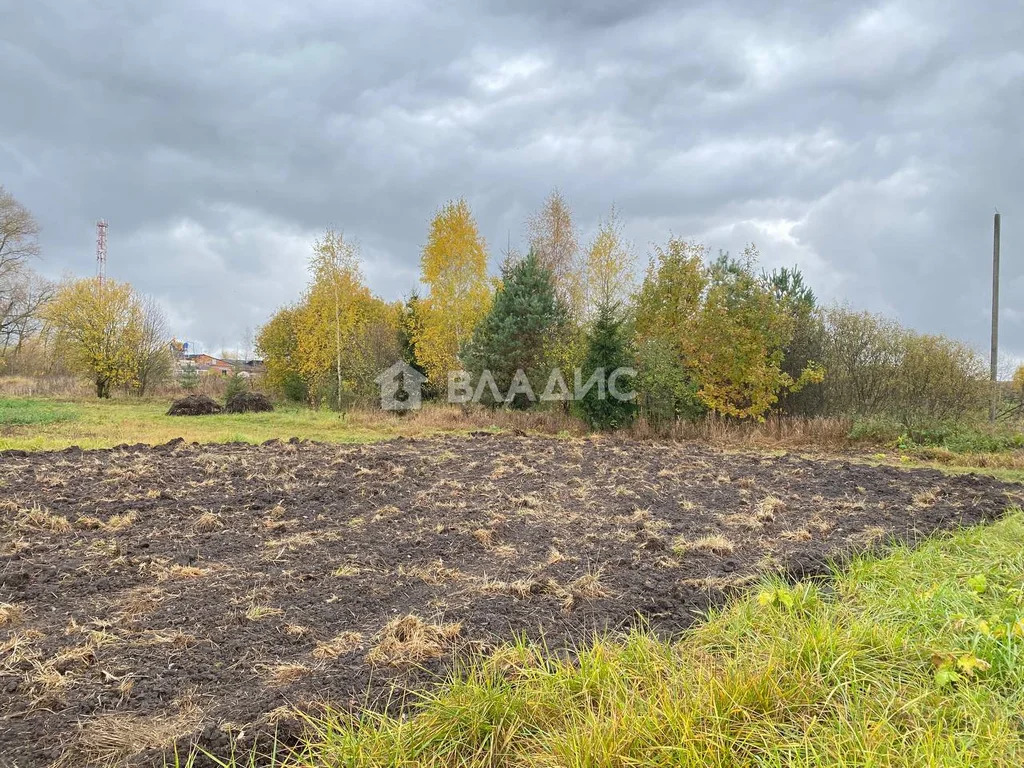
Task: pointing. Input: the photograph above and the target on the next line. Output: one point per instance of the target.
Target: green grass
(42, 424)
(976, 463)
(52, 424)
(973, 436)
(26, 412)
(910, 660)
(971, 446)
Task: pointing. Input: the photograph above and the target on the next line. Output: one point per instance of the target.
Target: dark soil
(195, 405)
(180, 593)
(248, 402)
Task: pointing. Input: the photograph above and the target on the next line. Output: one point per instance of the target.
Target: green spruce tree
(188, 377)
(607, 352)
(237, 384)
(513, 336)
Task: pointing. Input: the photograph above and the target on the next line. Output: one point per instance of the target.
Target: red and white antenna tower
(101, 250)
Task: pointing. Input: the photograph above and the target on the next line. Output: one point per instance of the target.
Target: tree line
(703, 333)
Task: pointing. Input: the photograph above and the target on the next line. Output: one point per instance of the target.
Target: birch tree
(459, 293)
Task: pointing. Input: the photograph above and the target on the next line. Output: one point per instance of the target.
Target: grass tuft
(208, 522)
(344, 643)
(716, 544)
(11, 615)
(411, 640)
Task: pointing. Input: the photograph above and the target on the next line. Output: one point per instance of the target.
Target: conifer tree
(608, 352)
(526, 313)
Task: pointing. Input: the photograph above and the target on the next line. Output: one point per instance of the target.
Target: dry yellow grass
(586, 587)
(796, 535)
(346, 571)
(121, 522)
(113, 739)
(186, 572)
(484, 536)
(411, 640)
(774, 432)
(280, 675)
(520, 588)
(431, 573)
(139, 601)
(768, 507)
(11, 615)
(260, 612)
(208, 523)
(40, 519)
(339, 645)
(716, 544)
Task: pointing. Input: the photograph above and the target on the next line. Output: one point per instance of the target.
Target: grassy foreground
(39, 424)
(911, 660)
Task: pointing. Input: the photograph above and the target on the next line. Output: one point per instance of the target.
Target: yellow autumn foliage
(338, 337)
(609, 266)
(98, 328)
(454, 269)
(727, 329)
(555, 241)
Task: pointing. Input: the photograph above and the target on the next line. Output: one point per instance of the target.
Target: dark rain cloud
(867, 143)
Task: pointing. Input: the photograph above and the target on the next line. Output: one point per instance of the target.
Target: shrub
(666, 391)
(938, 380)
(952, 436)
(876, 430)
(876, 367)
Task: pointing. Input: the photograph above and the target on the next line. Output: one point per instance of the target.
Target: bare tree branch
(22, 292)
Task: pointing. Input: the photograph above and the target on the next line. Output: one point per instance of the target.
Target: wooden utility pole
(994, 370)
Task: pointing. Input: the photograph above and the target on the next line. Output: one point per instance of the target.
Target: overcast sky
(868, 144)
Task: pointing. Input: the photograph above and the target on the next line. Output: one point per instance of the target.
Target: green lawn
(25, 412)
(916, 659)
(40, 424)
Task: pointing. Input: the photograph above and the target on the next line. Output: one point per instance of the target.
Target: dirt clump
(248, 402)
(195, 405)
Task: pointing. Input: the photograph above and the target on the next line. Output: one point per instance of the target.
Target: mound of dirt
(249, 402)
(194, 405)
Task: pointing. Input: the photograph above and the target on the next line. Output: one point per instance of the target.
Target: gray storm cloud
(867, 143)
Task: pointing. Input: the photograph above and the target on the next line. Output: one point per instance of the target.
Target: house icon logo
(400, 388)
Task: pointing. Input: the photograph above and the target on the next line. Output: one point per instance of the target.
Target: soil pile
(249, 402)
(194, 405)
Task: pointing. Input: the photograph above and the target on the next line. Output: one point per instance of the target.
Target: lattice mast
(101, 250)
